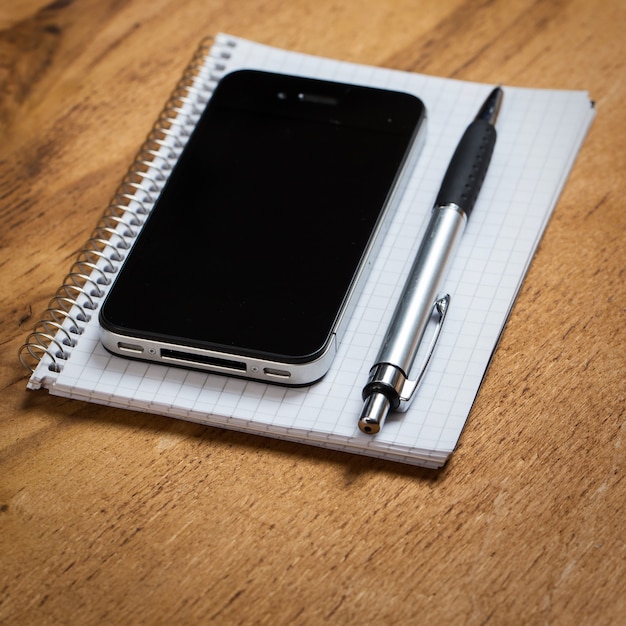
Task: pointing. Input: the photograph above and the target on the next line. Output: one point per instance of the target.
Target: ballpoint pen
(389, 387)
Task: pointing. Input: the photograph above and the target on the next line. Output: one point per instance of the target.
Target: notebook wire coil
(77, 299)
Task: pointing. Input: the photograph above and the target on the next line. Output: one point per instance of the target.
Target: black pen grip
(468, 167)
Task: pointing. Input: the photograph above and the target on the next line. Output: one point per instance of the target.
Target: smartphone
(254, 253)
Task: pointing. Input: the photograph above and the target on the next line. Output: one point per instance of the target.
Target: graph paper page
(539, 135)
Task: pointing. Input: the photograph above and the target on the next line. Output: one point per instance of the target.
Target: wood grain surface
(114, 517)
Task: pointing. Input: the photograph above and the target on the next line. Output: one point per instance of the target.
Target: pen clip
(409, 387)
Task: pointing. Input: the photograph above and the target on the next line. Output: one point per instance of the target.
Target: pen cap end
(374, 413)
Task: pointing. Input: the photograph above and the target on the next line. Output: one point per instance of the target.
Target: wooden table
(113, 517)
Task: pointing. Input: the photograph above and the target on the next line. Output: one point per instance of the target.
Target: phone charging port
(203, 359)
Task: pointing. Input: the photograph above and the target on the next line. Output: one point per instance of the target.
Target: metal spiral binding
(75, 301)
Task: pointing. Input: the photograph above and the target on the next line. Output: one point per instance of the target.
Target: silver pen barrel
(390, 373)
(415, 306)
(389, 387)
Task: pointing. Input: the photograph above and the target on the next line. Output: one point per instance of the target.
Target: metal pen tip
(491, 107)
(374, 412)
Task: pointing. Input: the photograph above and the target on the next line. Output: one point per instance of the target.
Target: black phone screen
(257, 235)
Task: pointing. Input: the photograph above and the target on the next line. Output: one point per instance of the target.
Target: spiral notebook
(539, 135)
